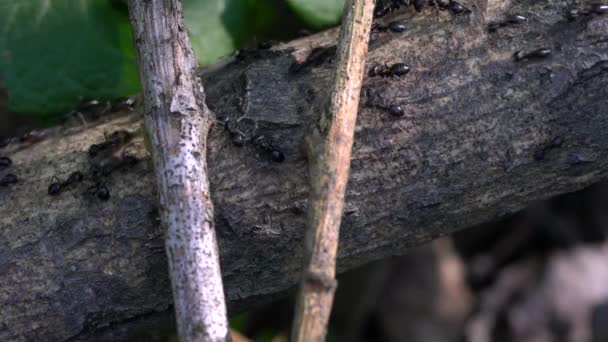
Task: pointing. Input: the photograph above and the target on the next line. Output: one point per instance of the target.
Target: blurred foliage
(241, 323)
(56, 53)
(318, 13)
(217, 27)
(260, 326)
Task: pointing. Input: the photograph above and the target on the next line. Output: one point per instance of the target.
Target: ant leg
(56, 186)
(83, 121)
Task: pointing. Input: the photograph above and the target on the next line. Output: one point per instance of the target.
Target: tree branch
(329, 166)
(483, 137)
(177, 122)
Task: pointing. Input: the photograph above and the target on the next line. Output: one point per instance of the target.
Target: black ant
(126, 159)
(393, 26)
(452, 6)
(236, 136)
(4, 141)
(396, 27)
(541, 53)
(277, 156)
(102, 156)
(397, 69)
(238, 139)
(383, 9)
(114, 140)
(8, 179)
(100, 190)
(442, 4)
(5, 162)
(262, 142)
(387, 7)
(396, 110)
(419, 4)
(599, 8)
(510, 20)
(456, 8)
(28, 138)
(596, 8)
(95, 149)
(31, 137)
(556, 142)
(112, 164)
(316, 58)
(57, 186)
(374, 101)
(266, 145)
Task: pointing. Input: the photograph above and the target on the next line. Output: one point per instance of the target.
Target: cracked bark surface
(483, 136)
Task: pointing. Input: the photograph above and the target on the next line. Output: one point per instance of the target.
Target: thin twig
(330, 147)
(177, 122)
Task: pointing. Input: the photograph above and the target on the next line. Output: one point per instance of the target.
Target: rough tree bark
(177, 122)
(484, 136)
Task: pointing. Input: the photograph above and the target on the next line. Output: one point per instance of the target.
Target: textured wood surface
(177, 122)
(329, 153)
(483, 136)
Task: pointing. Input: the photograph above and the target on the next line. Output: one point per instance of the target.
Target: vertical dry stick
(331, 143)
(177, 122)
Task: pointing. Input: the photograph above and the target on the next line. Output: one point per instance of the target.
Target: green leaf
(218, 27)
(318, 13)
(54, 53)
(239, 322)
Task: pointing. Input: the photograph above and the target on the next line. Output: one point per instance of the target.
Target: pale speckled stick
(177, 122)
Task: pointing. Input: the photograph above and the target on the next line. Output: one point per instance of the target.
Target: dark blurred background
(540, 275)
